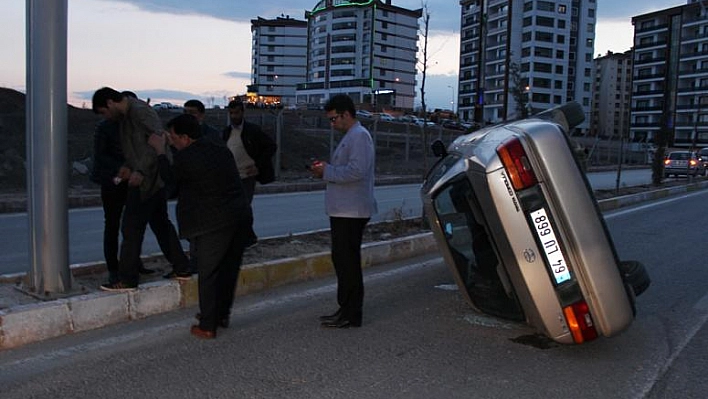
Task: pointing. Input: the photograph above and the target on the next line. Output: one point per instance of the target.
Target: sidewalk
(30, 320)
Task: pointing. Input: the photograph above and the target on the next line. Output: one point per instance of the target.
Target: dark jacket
(107, 152)
(210, 193)
(259, 146)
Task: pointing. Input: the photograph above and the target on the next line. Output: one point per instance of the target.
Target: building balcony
(654, 28)
(644, 46)
(645, 61)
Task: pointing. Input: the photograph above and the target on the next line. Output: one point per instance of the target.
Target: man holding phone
(350, 203)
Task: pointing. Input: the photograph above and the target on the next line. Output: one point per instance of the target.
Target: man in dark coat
(212, 212)
(252, 150)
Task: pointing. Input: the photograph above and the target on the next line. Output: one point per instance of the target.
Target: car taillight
(693, 162)
(580, 322)
(516, 163)
(667, 161)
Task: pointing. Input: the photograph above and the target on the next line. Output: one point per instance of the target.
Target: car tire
(635, 274)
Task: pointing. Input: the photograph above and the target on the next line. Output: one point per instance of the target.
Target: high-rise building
(670, 83)
(612, 90)
(549, 43)
(364, 48)
(279, 59)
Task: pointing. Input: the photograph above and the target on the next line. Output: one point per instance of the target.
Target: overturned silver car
(516, 220)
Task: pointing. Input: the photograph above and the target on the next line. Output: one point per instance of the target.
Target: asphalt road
(275, 215)
(419, 338)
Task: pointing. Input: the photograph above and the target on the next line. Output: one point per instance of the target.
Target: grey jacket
(350, 176)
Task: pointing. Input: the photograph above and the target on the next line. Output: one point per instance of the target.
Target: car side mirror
(438, 148)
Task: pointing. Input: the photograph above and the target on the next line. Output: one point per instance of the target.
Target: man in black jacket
(212, 212)
(252, 149)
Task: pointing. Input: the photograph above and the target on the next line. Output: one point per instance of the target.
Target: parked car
(364, 114)
(515, 219)
(383, 116)
(683, 163)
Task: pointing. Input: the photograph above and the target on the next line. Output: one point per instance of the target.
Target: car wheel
(635, 274)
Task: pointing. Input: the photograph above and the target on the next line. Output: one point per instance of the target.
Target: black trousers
(113, 199)
(347, 234)
(136, 216)
(219, 263)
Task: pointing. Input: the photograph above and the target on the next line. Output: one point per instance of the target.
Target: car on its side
(518, 225)
(683, 163)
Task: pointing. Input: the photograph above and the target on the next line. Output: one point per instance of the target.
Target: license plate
(550, 245)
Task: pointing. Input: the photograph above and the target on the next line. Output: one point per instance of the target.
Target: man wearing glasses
(349, 203)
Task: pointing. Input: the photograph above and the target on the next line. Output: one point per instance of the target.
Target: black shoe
(178, 275)
(223, 322)
(331, 317)
(145, 270)
(118, 287)
(341, 322)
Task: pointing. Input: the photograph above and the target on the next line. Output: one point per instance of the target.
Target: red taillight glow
(693, 162)
(667, 161)
(516, 163)
(580, 322)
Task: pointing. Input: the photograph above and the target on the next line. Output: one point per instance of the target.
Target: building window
(561, 24)
(560, 38)
(562, 9)
(545, 21)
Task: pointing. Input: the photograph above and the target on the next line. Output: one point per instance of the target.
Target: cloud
(238, 75)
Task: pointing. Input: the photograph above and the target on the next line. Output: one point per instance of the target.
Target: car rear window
(679, 155)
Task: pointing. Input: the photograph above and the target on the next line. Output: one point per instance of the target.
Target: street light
(452, 101)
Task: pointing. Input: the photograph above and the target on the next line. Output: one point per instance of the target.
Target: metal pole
(47, 172)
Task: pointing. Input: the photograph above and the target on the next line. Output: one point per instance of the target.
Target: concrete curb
(25, 324)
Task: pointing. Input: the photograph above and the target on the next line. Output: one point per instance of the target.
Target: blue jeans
(136, 216)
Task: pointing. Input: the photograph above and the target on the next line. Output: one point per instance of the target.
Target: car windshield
(476, 262)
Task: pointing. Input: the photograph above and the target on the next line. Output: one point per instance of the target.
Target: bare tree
(519, 90)
(424, 68)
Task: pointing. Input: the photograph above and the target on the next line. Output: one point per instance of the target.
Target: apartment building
(612, 90)
(550, 42)
(364, 48)
(278, 60)
(670, 83)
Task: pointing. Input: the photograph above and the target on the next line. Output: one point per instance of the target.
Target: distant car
(383, 116)
(703, 156)
(515, 219)
(364, 114)
(683, 163)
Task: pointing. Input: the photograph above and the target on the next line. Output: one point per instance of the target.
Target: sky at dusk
(173, 50)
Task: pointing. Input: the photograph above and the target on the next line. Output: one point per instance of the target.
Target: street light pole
(452, 100)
